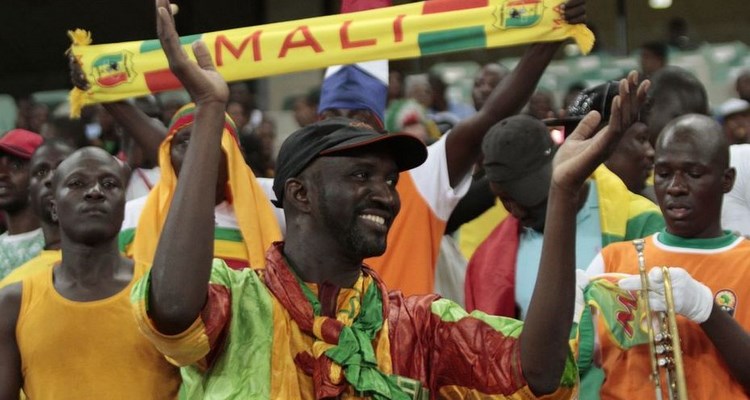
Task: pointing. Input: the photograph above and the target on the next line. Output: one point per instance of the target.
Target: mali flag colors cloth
(258, 227)
(130, 69)
(265, 334)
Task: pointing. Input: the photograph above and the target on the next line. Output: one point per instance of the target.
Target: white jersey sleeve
(432, 181)
(596, 267)
(133, 210)
(267, 185)
(735, 213)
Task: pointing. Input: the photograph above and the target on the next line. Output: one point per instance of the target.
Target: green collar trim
(719, 242)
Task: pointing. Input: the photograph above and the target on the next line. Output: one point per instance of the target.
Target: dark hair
(72, 131)
(576, 87)
(659, 49)
(312, 98)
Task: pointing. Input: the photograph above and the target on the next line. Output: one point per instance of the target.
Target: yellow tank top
(87, 350)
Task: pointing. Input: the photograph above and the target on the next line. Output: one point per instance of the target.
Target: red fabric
(234, 263)
(215, 316)
(440, 6)
(438, 353)
(20, 143)
(410, 336)
(348, 6)
(467, 353)
(490, 284)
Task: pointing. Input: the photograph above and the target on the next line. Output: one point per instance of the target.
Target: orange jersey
(722, 264)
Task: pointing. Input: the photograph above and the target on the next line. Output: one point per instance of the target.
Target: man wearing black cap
(316, 322)
(24, 238)
(518, 155)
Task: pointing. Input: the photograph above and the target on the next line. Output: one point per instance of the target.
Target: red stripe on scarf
(159, 81)
(441, 6)
(348, 6)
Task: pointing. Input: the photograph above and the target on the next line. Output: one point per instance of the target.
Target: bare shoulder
(10, 305)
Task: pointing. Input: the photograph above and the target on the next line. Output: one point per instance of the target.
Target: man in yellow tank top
(68, 332)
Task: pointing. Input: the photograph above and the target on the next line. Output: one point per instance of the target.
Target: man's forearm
(182, 263)
(464, 143)
(147, 133)
(544, 341)
(733, 343)
(514, 92)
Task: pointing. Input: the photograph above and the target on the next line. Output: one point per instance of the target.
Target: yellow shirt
(87, 350)
(45, 259)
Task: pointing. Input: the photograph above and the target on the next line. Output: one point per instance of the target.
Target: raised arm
(182, 263)
(146, 132)
(11, 378)
(465, 141)
(544, 341)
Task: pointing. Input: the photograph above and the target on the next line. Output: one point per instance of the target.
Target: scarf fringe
(583, 37)
(78, 37)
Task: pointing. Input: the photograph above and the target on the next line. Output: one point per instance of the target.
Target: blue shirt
(588, 245)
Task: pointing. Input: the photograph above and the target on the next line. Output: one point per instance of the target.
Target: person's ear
(727, 181)
(297, 195)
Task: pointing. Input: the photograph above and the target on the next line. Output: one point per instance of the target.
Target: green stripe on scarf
(452, 40)
(125, 239)
(228, 234)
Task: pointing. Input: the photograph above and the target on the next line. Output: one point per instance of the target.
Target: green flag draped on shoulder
(129, 69)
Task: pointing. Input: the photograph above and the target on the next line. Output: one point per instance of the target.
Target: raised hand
(200, 79)
(574, 11)
(583, 150)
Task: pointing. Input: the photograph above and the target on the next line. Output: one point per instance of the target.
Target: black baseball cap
(518, 154)
(335, 136)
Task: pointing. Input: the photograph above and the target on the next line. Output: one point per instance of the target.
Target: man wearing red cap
(24, 238)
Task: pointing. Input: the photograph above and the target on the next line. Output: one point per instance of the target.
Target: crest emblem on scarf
(520, 13)
(727, 301)
(113, 69)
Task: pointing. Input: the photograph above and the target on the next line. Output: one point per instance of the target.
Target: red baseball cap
(20, 143)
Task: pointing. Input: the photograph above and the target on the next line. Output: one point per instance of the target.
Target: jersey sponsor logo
(727, 300)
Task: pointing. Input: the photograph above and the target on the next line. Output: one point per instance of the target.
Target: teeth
(374, 218)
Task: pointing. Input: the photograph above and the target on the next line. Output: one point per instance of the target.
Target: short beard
(349, 235)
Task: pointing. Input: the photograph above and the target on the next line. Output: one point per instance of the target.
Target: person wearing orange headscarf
(245, 222)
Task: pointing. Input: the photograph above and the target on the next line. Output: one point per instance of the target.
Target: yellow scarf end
(76, 98)
(584, 38)
(79, 37)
